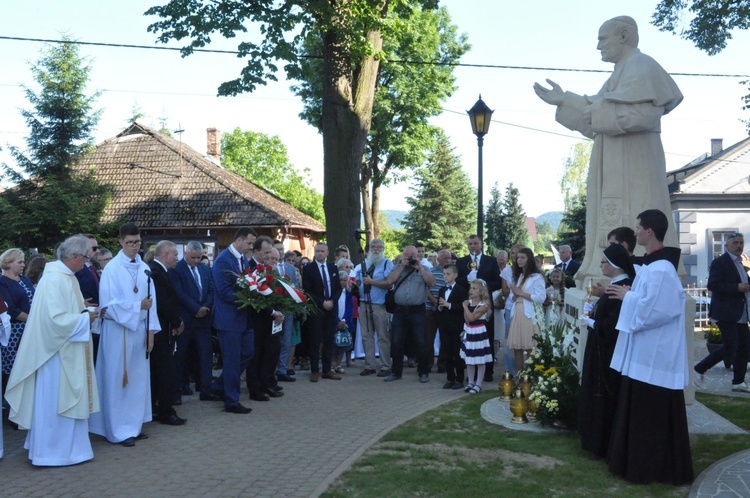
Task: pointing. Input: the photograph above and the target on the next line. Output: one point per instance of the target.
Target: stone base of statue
(574, 300)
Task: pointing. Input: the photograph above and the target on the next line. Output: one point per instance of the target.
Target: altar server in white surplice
(52, 387)
(122, 369)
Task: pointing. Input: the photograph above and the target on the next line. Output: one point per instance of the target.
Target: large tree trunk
(347, 114)
(370, 232)
(376, 209)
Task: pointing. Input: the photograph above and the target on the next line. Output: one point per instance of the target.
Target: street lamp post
(480, 115)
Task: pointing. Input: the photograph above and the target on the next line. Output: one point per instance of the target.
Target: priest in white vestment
(52, 387)
(126, 334)
(4, 335)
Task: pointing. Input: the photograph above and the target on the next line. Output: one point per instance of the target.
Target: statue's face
(611, 43)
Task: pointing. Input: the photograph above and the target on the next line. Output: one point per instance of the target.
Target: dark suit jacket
(167, 306)
(226, 315)
(726, 301)
(573, 267)
(487, 271)
(312, 282)
(89, 284)
(191, 297)
(452, 320)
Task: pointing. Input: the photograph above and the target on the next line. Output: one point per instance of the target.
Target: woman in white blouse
(527, 288)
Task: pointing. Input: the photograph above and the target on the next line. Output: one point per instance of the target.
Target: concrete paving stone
(309, 433)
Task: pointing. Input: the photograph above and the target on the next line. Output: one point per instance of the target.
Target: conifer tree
(49, 202)
(442, 211)
(508, 222)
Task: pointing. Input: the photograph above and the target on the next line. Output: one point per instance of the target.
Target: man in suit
(163, 378)
(88, 281)
(730, 295)
(233, 325)
(261, 379)
(567, 264)
(194, 289)
(320, 279)
(283, 374)
(478, 265)
(450, 320)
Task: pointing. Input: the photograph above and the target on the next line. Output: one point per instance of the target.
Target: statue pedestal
(574, 299)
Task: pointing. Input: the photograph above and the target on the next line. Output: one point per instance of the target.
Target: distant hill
(393, 218)
(553, 218)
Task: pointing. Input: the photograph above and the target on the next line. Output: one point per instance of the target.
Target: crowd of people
(104, 343)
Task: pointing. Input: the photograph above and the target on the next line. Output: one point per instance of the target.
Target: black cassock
(600, 384)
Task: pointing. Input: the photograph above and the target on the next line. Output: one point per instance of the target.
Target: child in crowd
(450, 321)
(553, 306)
(476, 349)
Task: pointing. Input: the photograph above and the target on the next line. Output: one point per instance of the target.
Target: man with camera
(412, 280)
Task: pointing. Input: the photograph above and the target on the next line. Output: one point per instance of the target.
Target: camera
(413, 262)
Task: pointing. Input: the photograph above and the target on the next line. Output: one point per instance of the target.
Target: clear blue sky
(533, 33)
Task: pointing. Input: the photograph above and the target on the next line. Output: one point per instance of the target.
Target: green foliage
(395, 238)
(575, 172)
(42, 212)
(711, 24)
(406, 95)
(545, 234)
(572, 229)
(505, 220)
(283, 27)
(442, 210)
(552, 372)
(263, 160)
(48, 201)
(61, 118)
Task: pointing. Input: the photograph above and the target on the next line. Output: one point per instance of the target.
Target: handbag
(390, 295)
(342, 338)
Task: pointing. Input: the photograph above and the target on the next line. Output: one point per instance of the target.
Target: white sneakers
(741, 387)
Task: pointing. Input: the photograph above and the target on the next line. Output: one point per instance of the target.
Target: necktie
(93, 272)
(565, 266)
(196, 277)
(132, 261)
(450, 287)
(326, 291)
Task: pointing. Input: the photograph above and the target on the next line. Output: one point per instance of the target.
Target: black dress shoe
(238, 408)
(173, 419)
(128, 443)
(211, 397)
(274, 394)
(141, 437)
(277, 388)
(285, 378)
(259, 397)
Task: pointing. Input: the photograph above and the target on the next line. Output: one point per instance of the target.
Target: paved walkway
(294, 446)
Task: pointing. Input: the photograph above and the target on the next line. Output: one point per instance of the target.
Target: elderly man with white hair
(52, 387)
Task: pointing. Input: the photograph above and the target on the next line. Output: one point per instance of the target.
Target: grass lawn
(452, 452)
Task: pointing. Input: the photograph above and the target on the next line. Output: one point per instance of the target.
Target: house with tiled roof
(173, 192)
(710, 199)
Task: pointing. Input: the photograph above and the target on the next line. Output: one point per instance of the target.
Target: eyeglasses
(735, 234)
(104, 260)
(133, 243)
(83, 256)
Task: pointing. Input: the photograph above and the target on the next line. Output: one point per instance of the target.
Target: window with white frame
(719, 239)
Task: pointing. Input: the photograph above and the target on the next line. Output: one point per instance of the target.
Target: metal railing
(702, 300)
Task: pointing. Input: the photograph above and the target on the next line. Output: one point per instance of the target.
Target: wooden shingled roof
(153, 188)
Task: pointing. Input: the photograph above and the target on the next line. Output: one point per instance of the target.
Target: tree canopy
(442, 209)
(575, 173)
(48, 202)
(711, 25)
(264, 161)
(406, 96)
(505, 219)
(351, 35)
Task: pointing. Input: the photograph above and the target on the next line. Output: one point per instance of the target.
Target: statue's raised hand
(554, 95)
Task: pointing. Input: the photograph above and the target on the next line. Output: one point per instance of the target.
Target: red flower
(248, 271)
(269, 278)
(279, 290)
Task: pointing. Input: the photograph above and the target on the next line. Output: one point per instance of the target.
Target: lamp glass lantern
(480, 116)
